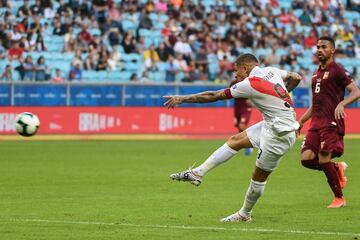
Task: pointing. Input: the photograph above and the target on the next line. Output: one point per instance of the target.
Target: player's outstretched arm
(353, 96)
(203, 97)
(291, 80)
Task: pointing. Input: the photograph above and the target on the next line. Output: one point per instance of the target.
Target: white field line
(182, 227)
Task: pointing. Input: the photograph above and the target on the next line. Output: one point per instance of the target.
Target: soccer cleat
(236, 217)
(342, 166)
(187, 176)
(337, 203)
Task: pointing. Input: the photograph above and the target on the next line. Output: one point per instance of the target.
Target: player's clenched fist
(172, 101)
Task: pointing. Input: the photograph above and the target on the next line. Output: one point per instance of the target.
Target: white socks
(222, 154)
(253, 193)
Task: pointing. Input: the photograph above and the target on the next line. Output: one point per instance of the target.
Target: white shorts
(271, 147)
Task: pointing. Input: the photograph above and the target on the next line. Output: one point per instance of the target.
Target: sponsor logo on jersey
(234, 86)
(318, 80)
(326, 75)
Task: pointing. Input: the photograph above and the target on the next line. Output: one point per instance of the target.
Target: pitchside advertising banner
(90, 120)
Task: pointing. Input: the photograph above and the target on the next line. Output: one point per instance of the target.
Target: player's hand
(299, 129)
(340, 111)
(172, 101)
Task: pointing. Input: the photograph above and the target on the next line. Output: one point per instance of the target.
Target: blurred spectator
(350, 51)
(58, 78)
(161, 6)
(23, 26)
(273, 58)
(39, 44)
(310, 40)
(172, 68)
(92, 59)
(84, 38)
(140, 46)
(222, 79)
(49, 12)
(75, 73)
(62, 9)
(15, 34)
(145, 77)
(28, 68)
(37, 9)
(151, 58)
(35, 26)
(69, 40)
(45, 30)
(134, 78)
(100, 8)
(113, 61)
(2, 51)
(305, 18)
(149, 6)
(354, 73)
(41, 70)
(226, 67)
(15, 52)
(144, 20)
(59, 28)
(357, 51)
(7, 74)
(164, 50)
(201, 59)
(24, 10)
(103, 61)
(183, 47)
(114, 36)
(114, 13)
(129, 43)
(340, 51)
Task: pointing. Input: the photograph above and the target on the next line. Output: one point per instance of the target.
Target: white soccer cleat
(236, 217)
(187, 176)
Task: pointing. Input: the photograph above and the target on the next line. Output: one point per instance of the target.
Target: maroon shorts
(325, 140)
(242, 117)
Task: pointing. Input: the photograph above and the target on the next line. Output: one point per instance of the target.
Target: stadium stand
(113, 36)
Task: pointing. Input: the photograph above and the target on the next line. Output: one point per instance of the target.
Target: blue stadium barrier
(116, 94)
(5, 95)
(39, 95)
(95, 95)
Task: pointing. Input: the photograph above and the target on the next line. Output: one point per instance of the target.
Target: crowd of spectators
(197, 42)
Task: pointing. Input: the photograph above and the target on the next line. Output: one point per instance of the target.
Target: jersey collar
(327, 67)
(254, 71)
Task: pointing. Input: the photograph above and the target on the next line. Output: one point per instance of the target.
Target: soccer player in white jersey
(268, 89)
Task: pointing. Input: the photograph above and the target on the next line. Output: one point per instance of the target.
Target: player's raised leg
(221, 155)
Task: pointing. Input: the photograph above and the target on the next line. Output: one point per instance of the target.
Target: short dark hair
(246, 58)
(327, 38)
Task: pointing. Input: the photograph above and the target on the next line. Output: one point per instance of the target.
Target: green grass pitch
(121, 190)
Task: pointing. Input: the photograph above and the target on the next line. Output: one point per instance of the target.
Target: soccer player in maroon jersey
(324, 140)
(242, 114)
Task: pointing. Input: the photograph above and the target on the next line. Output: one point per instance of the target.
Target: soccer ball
(27, 124)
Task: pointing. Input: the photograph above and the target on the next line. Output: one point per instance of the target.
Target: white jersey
(265, 88)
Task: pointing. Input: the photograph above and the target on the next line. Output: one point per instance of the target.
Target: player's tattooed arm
(203, 97)
(291, 80)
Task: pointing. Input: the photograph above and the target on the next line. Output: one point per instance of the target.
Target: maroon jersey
(328, 89)
(240, 104)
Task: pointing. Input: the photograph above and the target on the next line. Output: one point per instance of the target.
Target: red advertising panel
(78, 120)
